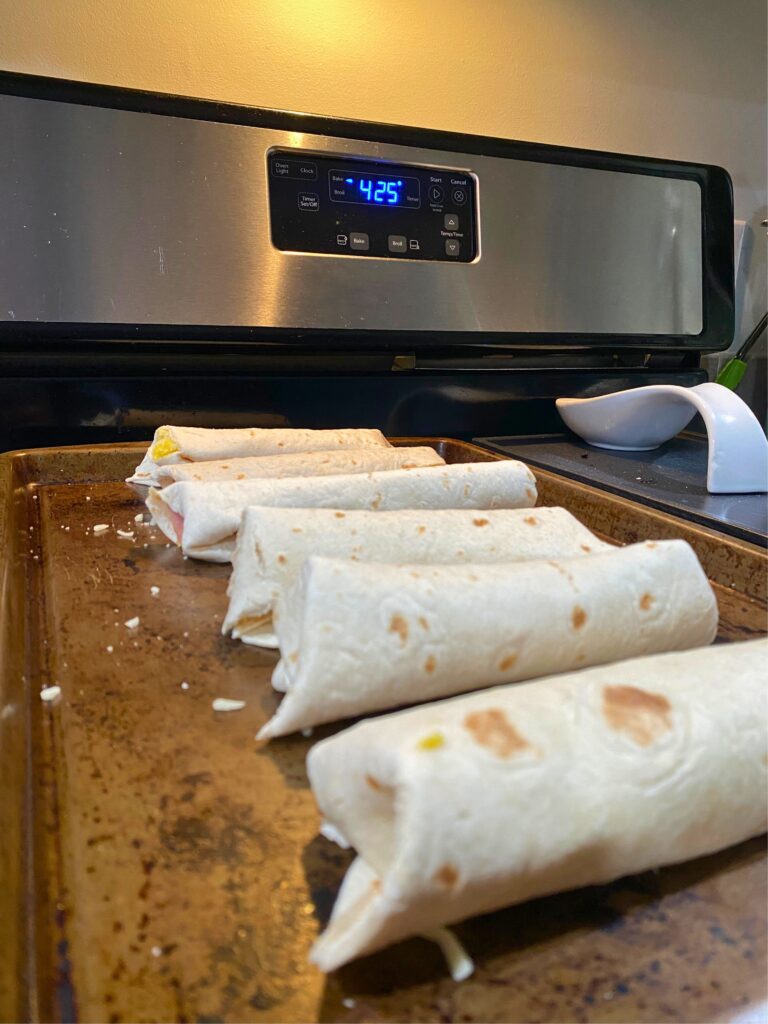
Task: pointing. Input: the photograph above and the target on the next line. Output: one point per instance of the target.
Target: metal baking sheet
(160, 865)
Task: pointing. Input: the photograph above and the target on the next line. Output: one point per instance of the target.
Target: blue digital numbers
(384, 192)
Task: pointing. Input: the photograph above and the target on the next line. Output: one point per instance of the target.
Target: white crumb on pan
(50, 693)
(126, 534)
(460, 964)
(306, 733)
(110, 648)
(185, 685)
(225, 704)
(154, 591)
(87, 498)
(132, 623)
(100, 527)
(157, 951)
(350, 1004)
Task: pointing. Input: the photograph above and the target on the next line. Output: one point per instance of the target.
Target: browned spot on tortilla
(467, 490)
(281, 444)
(480, 522)
(585, 547)
(376, 501)
(492, 729)
(646, 601)
(651, 544)
(430, 664)
(297, 529)
(374, 783)
(225, 467)
(281, 559)
(422, 529)
(423, 623)
(531, 493)
(579, 617)
(507, 662)
(531, 520)
(196, 476)
(765, 759)
(340, 515)
(240, 476)
(400, 626)
(641, 715)
(446, 875)
(293, 657)
(415, 575)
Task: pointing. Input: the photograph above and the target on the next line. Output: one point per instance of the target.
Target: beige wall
(674, 78)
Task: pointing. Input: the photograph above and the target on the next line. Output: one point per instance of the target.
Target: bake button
(451, 221)
(358, 240)
(309, 201)
(459, 196)
(396, 243)
(452, 247)
(435, 194)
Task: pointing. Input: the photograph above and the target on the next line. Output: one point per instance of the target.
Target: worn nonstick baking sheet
(157, 864)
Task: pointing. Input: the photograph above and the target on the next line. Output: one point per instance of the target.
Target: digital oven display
(374, 188)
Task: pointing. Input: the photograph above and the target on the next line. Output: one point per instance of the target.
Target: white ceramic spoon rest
(644, 418)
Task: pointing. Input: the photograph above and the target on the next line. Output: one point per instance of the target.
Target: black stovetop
(671, 478)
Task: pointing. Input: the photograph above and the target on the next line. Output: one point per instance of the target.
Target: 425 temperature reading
(378, 191)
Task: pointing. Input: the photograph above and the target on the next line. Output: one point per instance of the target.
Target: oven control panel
(350, 207)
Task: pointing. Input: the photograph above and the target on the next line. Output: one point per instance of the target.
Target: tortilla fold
(171, 445)
(333, 463)
(357, 638)
(476, 803)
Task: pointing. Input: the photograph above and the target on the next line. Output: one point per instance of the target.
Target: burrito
(202, 444)
(273, 544)
(476, 803)
(357, 637)
(204, 518)
(357, 460)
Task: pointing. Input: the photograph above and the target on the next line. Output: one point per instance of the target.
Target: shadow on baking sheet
(630, 950)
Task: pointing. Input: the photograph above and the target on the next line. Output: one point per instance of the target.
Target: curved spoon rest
(644, 418)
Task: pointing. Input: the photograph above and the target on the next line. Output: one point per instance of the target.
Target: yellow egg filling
(164, 445)
(433, 741)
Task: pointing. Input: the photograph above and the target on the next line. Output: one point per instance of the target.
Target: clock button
(452, 247)
(451, 221)
(435, 194)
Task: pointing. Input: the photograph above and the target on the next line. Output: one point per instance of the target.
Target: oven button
(452, 247)
(435, 194)
(309, 201)
(396, 243)
(459, 196)
(451, 221)
(358, 240)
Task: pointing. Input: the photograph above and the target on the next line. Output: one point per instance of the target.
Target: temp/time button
(452, 247)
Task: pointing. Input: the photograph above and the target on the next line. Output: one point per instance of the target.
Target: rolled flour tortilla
(273, 544)
(204, 518)
(468, 805)
(357, 638)
(358, 460)
(202, 444)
